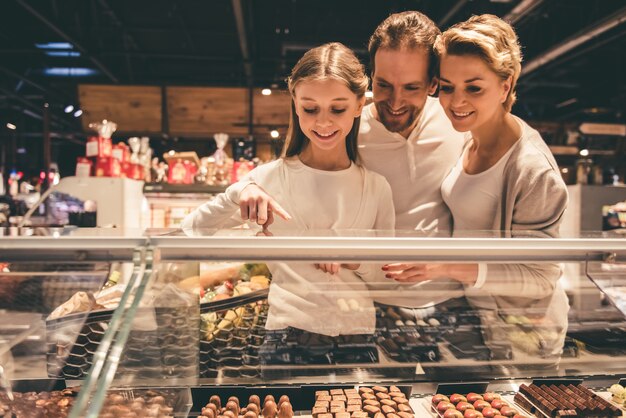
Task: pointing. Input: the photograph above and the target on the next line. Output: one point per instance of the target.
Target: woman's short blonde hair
(491, 39)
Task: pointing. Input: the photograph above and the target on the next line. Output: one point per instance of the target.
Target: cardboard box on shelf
(108, 167)
(98, 146)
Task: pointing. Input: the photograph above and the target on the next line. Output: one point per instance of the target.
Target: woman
(506, 178)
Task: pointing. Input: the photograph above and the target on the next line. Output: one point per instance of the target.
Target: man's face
(401, 86)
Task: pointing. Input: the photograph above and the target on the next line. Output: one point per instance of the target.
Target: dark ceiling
(256, 42)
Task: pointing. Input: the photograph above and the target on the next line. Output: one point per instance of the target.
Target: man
(404, 135)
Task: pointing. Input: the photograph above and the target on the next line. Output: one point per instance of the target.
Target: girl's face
(470, 92)
(326, 110)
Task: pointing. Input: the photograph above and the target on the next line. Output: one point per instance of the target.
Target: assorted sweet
(473, 405)
(233, 408)
(618, 393)
(57, 404)
(367, 402)
(564, 401)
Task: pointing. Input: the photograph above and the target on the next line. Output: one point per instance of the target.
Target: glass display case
(130, 323)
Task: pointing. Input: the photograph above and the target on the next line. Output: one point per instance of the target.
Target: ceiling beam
(521, 11)
(587, 34)
(453, 10)
(243, 40)
(48, 91)
(183, 25)
(67, 38)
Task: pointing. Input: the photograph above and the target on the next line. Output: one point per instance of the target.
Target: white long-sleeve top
(302, 296)
(415, 166)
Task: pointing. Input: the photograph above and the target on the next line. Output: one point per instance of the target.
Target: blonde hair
(332, 61)
(491, 39)
(410, 30)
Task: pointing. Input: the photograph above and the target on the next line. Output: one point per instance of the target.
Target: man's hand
(333, 268)
(259, 207)
(415, 273)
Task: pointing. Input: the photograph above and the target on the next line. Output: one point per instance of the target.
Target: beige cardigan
(533, 200)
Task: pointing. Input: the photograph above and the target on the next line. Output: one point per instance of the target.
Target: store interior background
(179, 72)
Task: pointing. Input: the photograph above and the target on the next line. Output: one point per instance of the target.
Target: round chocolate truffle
(269, 409)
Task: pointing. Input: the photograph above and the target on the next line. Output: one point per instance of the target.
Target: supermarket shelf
(182, 188)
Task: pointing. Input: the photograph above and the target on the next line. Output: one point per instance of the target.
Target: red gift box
(240, 169)
(121, 152)
(108, 167)
(177, 172)
(136, 172)
(98, 146)
(83, 167)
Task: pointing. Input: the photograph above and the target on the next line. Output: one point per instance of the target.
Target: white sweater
(300, 295)
(414, 167)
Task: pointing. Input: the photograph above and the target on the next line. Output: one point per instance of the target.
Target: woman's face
(326, 110)
(470, 92)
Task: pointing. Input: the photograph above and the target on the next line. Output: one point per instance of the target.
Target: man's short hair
(406, 30)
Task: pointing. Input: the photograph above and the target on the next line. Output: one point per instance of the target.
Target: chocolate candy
(250, 414)
(371, 410)
(405, 408)
(387, 409)
(286, 410)
(215, 400)
(438, 398)
(255, 400)
(233, 406)
(269, 409)
(389, 402)
(456, 398)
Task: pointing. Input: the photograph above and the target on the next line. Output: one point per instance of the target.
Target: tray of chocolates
(29, 400)
(366, 402)
(251, 407)
(469, 400)
(299, 397)
(297, 347)
(564, 400)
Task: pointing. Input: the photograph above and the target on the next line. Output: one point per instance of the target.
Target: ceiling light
(55, 45)
(266, 92)
(69, 109)
(566, 103)
(274, 133)
(171, 152)
(78, 113)
(11, 126)
(69, 71)
(369, 94)
(63, 53)
(584, 152)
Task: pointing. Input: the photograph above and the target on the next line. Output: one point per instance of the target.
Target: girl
(506, 178)
(319, 183)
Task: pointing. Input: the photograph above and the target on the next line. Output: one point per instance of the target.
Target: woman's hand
(415, 273)
(333, 268)
(258, 206)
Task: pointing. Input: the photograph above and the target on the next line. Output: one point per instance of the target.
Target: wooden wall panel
(207, 110)
(271, 112)
(133, 108)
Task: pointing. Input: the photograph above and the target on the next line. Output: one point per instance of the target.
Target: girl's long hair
(332, 61)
